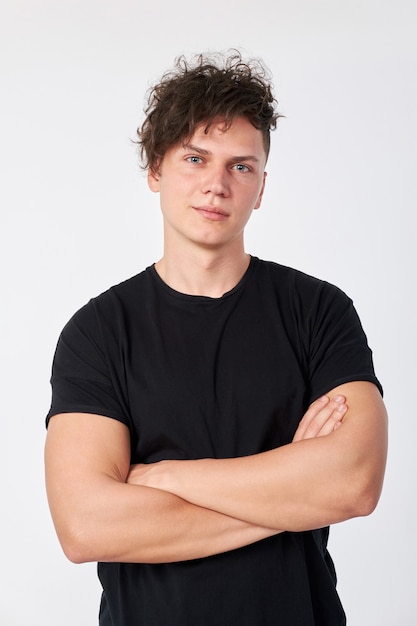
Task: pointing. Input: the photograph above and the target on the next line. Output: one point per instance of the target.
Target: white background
(77, 217)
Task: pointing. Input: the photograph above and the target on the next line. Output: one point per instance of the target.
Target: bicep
(82, 452)
(366, 416)
(99, 517)
(363, 436)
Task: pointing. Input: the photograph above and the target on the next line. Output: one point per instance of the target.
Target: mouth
(212, 213)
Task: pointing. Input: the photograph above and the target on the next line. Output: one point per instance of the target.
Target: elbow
(75, 557)
(365, 504)
(365, 497)
(76, 554)
(77, 546)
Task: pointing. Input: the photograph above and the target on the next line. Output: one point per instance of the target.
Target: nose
(216, 182)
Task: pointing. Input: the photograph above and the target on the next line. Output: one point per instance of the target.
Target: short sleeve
(81, 381)
(338, 350)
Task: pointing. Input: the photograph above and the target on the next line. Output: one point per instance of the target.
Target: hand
(323, 417)
(146, 474)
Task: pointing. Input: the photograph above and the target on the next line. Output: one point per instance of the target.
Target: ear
(153, 180)
(261, 193)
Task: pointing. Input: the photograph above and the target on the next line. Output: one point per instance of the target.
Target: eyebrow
(204, 152)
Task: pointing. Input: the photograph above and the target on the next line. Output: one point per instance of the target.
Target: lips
(212, 213)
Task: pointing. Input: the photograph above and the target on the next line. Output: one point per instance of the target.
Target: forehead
(240, 136)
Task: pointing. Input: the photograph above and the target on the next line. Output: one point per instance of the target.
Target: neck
(202, 272)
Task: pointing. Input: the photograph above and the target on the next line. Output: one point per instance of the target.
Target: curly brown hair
(199, 91)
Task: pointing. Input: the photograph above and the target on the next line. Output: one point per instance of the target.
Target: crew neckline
(195, 298)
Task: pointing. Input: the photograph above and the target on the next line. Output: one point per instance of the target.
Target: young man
(213, 415)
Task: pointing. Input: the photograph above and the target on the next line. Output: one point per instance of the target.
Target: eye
(194, 159)
(241, 167)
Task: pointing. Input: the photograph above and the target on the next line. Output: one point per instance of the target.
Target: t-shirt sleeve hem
(80, 408)
(348, 379)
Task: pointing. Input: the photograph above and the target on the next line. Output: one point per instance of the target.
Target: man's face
(210, 185)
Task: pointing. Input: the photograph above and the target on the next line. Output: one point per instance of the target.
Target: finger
(334, 421)
(326, 420)
(313, 410)
(321, 417)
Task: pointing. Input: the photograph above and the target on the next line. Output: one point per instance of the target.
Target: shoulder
(122, 294)
(109, 308)
(299, 286)
(127, 291)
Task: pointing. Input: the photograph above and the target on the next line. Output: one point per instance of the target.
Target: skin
(208, 189)
(98, 510)
(105, 510)
(289, 487)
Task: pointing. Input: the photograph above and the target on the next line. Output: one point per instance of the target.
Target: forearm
(127, 523)
(99, 517)
(289, 488)
(272, 489)
(310, 483)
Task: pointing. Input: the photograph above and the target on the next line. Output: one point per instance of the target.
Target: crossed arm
(177, 510)
(310, 483)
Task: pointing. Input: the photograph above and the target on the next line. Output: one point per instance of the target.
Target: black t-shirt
(196, 377)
